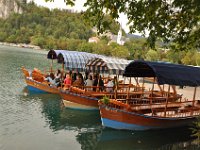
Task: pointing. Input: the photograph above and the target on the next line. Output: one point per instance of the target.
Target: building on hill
(9, 6)
(119, 37)
(93, 40)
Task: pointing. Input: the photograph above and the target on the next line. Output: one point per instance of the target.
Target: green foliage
(196, 130)
(137, 48)
(152, 55)
(167, 20)
(56, 29)
(119, 51)
(105, 100)
(189, 58)
(3, 36)
(197, 59)
(42, 27)
(37, 40)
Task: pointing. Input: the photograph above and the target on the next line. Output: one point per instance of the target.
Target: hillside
(47, 28)
(9, 6)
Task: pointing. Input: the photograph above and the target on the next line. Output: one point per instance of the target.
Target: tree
(3, 36)
(152, 55)
(175, 56)
(198, 59)
(176, 20)
(136, 47)
(196, 130)
(119, 51)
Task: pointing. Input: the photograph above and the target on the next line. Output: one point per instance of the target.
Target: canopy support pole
(116, 87)
(167, 100)
(124, 87)
(128, 91)
(98, 89)
(194, 96)
(143, 84)
(137, 84)
(51, 63)
(163, 90)
(151, 98)
(62, 75)
(174, 90)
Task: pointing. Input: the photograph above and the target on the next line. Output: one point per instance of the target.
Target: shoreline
(21, 45)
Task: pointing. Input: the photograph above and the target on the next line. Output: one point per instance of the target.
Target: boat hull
(79, 101)
(40, 87)
(121, 119)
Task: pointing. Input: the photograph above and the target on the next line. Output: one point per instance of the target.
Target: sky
(78, 7)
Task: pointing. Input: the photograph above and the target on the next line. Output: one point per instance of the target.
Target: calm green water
(31, 121)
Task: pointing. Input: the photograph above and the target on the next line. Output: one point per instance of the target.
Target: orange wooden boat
(150, 112)
(81, 97)
(36, 82)
(35, 79)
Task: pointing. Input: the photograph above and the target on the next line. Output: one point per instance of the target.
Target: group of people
(70, 78)
(91, 82)
(54, 79)
(96, 83)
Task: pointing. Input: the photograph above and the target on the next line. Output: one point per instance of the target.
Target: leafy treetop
(167, 20)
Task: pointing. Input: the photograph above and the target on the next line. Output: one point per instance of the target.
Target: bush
(105, 100)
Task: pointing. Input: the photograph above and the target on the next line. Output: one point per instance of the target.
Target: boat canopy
(53, 54)
(107, 65)
(166, 73)
(92, 62)
(74, 59)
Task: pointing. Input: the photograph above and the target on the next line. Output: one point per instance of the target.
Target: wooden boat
(147, 113)
(35, 79)
(81, 97)
(36, 82)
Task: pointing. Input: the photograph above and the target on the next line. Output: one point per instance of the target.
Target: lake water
(31, 121)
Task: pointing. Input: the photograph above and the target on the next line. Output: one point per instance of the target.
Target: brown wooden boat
(82, 97)
(35, 79)
(149, 112)
(36, 82)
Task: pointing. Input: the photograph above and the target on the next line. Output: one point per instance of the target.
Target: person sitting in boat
(95, 82)
(58, 77)
(98, 82)
(81, 76)
(78, 82)
(58, 74)
(109, 86)
(86, 75)
(115, 81)
(89, 82)
(51, 79)
(74, 75)
(67, 81)
(101, 83)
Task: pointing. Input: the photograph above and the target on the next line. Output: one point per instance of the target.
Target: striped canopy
(107, 65)
(53, 54)
(75, 60)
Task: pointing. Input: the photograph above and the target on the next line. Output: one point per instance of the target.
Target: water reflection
(87, 124)
(179, 138)
(92, 136)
